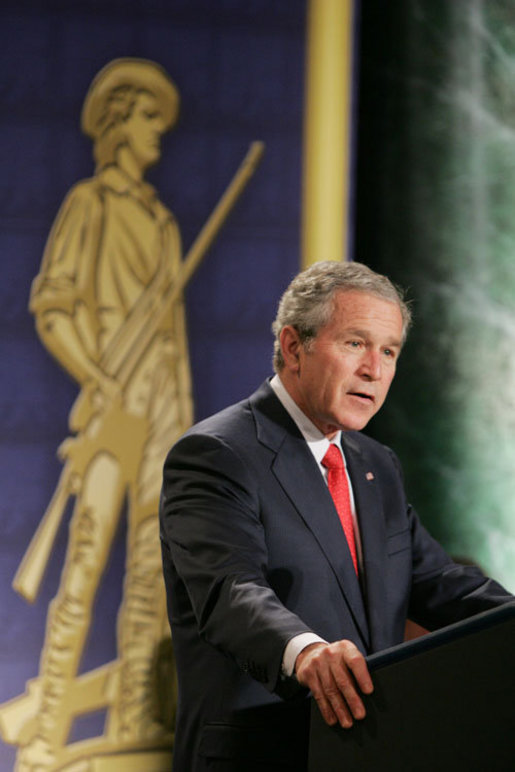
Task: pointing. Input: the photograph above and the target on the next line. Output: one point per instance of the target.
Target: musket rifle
(126, 348)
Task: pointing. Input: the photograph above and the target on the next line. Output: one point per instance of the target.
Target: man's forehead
(364, 312)
(361, 301)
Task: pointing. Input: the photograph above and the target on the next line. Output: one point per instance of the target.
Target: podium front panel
(442, 702)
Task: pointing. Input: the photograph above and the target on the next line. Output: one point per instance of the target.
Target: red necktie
(339, 490)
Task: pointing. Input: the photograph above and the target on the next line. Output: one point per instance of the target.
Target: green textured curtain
(435, 210)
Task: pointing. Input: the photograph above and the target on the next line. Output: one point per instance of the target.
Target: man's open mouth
(362, 395)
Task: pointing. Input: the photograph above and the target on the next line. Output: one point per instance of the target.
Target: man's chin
(355, 423)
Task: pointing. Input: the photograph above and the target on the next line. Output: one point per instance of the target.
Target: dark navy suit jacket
(254, 554)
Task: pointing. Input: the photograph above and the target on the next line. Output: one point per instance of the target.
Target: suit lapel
(373, 535)
(297, 473)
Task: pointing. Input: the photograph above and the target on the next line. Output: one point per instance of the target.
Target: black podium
(442, 702)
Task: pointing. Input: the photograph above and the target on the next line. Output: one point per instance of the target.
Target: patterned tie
(339, 490)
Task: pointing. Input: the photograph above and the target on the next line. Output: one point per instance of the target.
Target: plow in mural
(108, 303)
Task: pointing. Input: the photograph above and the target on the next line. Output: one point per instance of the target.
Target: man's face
(341, 378)
(143, 130)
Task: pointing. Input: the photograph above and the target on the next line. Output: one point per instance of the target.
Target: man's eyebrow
(354, 331)
(394, 343)
(391, 342)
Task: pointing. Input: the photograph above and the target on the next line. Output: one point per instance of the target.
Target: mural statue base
(103, 756)
(106, 753)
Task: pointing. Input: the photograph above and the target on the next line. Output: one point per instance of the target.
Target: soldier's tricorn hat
(142, 74)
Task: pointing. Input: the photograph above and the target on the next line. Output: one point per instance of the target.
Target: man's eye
(389, 352)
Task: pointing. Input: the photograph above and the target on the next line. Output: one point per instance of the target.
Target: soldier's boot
(67, 626)
(69, 616)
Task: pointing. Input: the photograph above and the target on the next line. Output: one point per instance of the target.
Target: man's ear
(290, 347)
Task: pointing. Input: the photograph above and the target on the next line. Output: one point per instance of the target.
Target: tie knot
(333, 458)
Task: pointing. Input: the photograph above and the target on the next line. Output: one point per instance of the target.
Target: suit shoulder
(229, 426)
(219, 447)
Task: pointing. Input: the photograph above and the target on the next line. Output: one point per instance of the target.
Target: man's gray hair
(308, 302)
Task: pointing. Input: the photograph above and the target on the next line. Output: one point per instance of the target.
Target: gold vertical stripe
(326, 131)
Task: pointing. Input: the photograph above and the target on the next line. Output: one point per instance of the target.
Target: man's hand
(335, 673)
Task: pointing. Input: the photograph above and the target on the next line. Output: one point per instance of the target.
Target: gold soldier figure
(112, 253)
(108, 303)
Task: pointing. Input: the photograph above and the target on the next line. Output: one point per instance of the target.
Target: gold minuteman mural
(108, 303)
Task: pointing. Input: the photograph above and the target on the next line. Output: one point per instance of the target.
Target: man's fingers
(335, 674)
(352, 677)
(357, 664)
(347, 688)
(340, 687)
(331, 704)
(338, 665)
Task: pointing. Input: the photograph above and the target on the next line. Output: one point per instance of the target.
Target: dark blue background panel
(239, 67)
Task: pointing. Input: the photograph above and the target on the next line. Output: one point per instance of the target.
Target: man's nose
(371, 366)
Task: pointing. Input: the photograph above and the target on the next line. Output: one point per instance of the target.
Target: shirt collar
(318, 442)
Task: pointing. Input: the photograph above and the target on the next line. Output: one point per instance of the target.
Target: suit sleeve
(211, 525)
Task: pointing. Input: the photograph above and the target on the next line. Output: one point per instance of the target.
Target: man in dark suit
(278, 583)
